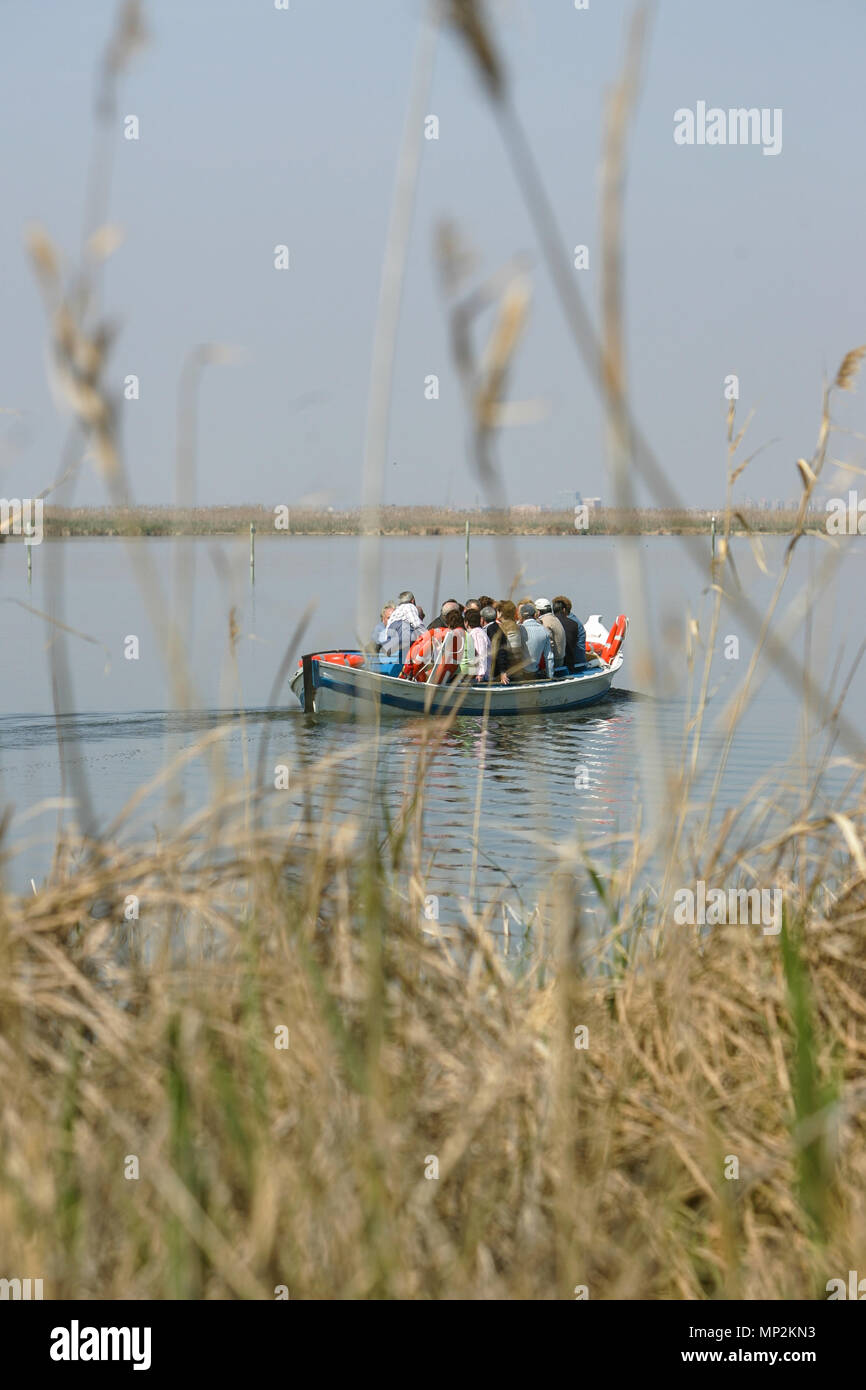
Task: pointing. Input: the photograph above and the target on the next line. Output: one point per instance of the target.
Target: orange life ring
(615, 639)
(339, 658)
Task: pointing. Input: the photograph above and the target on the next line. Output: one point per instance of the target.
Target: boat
(351, 681)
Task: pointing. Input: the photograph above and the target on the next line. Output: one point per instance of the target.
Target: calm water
(542, 782)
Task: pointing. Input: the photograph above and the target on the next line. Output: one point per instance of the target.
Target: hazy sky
(260, 127)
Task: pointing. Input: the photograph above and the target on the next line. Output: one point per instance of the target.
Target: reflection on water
(532, 783)
(526, 783)
(536, 789)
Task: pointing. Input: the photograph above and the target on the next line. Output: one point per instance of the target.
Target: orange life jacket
(450, 651)
(423, 655)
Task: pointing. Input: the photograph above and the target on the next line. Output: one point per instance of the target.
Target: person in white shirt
(476, 654)
(404, 625)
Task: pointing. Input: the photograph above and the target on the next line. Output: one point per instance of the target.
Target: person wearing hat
(544, 610)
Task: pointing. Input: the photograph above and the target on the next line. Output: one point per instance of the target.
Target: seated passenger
(476, 651)
(575, 633)
(402, 627)
(450, 644)
(546, 616)
(538, 642)
(498, 641)
(488, 622)
(379, 631)
(508, 641)
(449, 606)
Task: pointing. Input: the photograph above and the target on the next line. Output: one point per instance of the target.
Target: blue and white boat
(358, 682)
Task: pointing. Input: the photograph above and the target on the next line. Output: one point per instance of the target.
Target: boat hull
(345, 690)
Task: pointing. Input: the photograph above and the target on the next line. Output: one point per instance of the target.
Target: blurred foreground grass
(283, 1075)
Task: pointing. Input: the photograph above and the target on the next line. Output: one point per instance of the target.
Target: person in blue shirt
(538, 642)
(381, 627)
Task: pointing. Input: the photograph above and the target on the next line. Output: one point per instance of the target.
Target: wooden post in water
(29, 549)
(467, 557)
(713, 538)
(252, 552)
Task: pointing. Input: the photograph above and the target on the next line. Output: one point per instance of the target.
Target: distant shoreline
(235, 520)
